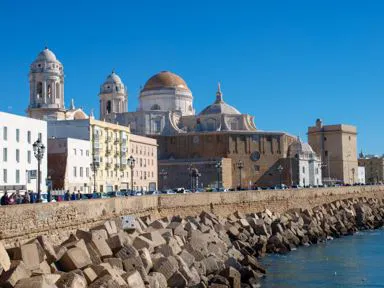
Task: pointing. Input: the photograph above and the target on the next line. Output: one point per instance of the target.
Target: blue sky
(285, 62)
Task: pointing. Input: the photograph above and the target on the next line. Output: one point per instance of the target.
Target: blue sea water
(351, 261)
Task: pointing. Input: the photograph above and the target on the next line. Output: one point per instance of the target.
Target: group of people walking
(31, 197)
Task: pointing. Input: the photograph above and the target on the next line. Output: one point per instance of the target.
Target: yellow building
(111, 146)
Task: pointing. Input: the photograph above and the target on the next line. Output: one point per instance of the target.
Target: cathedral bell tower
(113, 96)
(46, 81)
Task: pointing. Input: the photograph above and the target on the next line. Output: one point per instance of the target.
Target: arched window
(49, 91)
(155, 107)
(109, 106)
(39, 89)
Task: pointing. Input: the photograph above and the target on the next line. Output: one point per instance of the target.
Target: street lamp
(38, 150)
(94, 167)
(196, 174)
(131, 163)
(280, 170)
(240, 166)
(218, 166)
(163, 175)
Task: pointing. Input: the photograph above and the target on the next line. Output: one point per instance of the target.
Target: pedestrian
(19, 199)
(67, 196)
(73, 196)
(26, 198)
(78, 195)
(12, 199)
(4, 199)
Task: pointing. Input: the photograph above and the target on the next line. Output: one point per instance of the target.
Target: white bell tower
(46, 80)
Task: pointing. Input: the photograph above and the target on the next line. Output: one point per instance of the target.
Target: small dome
(299, 147)
(113, 78)
(165, 79)
(46, 55)
(219, 106)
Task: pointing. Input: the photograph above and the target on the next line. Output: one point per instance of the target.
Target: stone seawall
(20, 223)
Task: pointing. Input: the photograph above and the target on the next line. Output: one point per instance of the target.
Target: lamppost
(163, 175)
(38, 150)
(240, 166)
(94, 167)
(218, 166)
(196, 174)
(131, 163)
(280, 170)
(190, 171)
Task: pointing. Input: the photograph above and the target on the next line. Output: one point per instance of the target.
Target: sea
(350, 261)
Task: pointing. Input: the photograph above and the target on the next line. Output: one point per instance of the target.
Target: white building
(69, 164)
(18, 165)
(305, 165)
(361, 175)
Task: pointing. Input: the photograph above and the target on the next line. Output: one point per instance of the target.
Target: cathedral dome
(165, 79)
(219, 106)
(47, 56)
(113, 78)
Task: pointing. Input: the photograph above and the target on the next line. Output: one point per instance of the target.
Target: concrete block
(126, 252)
(102, 248)
(146, 259)
(187, 257)
(17, 271)
(74, 258)
(114, 262)
(160, 278)
(177, 280)
(90, 275)
(115, 276)
(233, 276)
(165, 266)
(49, 249)
(116, 242)
(5, 261)
(107, 281)
(32, 255)
(94, 255)
(34, 282)
(141, 242)
(110, 227)
(134, 280)
(155, 237)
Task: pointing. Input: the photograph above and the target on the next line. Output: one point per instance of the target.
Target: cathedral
(219, 142)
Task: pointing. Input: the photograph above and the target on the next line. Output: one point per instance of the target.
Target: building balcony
(117, 166)
(97, 145)
(108, 165)
(117, 141)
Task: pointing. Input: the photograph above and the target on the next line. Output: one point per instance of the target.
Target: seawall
(20, 223)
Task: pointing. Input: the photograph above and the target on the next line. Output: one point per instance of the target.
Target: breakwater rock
(194, 251)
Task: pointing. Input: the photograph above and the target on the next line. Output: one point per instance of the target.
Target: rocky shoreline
(194, 251)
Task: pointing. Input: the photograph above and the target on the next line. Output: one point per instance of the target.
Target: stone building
(336, 145)
(374, 168)
(111, 145)
(46, 86)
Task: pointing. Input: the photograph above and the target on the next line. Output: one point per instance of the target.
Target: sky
(287, 63)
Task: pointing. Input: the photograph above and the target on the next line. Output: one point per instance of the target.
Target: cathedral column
(61, 104)
(44, 96)
(53, 92)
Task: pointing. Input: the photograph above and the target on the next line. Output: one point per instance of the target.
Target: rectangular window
(87, 172)
(81, 171)
(29, 137)
(40, 137)
(74, 152)
(5, 133)
(17, 135)
(29, 157)
(303, 169)
(5, 154)
(87, 152)
(5, 175)
(17, 155)
(17, 176)
(81, 152)
(74, 172)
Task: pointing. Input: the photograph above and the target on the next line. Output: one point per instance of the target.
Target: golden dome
(165, 79)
